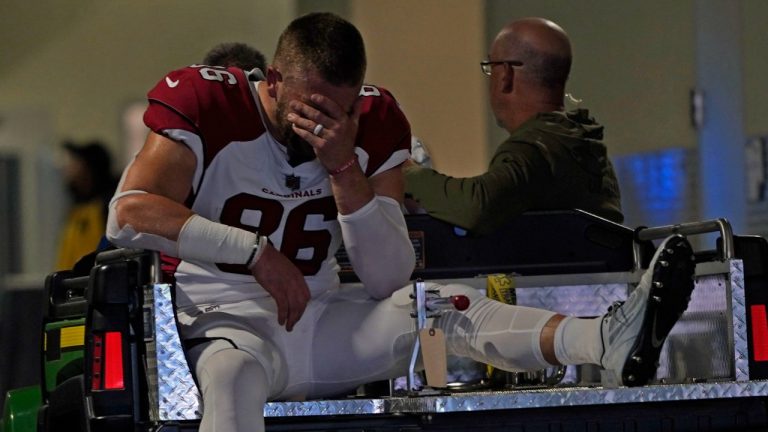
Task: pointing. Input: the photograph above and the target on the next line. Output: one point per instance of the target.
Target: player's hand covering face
(336, 108)
(299, 151)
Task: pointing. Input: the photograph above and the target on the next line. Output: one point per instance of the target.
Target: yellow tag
(500, 287)
(434, 356)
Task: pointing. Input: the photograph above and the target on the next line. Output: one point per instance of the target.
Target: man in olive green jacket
(552, 160)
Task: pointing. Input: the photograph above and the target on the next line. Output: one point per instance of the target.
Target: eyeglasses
(486, 65)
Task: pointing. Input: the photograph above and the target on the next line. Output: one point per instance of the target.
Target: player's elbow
(121, 214)
(379, 248)
(388, 278)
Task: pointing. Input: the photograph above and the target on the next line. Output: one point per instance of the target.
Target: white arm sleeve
(377, 242)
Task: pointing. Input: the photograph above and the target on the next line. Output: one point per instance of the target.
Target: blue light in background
(655, 186)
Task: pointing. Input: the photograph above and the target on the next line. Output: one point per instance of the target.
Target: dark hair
(325, 43)
(235, 54)
(98, 162)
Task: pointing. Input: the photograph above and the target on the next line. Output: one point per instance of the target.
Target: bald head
(542, 46)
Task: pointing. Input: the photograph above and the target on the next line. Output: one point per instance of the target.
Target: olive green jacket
(555, 160)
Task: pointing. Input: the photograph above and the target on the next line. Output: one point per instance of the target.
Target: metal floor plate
(518, 399)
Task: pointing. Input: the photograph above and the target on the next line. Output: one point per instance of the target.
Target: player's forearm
(144, 221)
(151, 214)
(351, 190)
(376, 240)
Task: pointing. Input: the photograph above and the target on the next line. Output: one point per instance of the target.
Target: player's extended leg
(505, 336)
(633, 332)
(626, 341)
(359, 340)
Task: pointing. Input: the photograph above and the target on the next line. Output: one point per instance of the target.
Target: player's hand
(335, 144)
(285, 283)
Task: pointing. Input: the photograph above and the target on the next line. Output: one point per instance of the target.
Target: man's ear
(508, 79)
(273, 77)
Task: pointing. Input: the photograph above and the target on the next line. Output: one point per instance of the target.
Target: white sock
(578, 341)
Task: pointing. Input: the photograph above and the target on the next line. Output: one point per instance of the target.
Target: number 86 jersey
(243, 177)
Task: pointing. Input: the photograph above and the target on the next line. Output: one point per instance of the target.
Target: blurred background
(679, 86)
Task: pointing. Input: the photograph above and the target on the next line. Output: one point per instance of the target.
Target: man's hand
(285, 283)
(335, 144)
(413, 207)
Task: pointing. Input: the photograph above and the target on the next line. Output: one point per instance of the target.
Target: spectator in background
(235, 54)
(90, 183)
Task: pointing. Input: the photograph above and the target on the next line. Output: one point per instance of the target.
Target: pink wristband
(344, 167)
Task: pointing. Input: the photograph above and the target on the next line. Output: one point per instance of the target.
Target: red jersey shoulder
(215, 103)
(383, 128)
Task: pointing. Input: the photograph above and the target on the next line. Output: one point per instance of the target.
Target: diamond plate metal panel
(574, 300)
(483, 401)
(178, 397)
(699, 346)
(598, 396)
(328, 407)
(739, 320)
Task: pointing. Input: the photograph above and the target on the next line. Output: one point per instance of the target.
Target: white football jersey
(243, 177)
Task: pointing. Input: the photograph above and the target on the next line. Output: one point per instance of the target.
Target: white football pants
(343, 340)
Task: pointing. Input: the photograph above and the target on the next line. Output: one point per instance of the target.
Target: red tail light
(113, 365)
(107, 363)
(759, 333)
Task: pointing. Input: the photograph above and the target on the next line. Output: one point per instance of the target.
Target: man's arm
(148, 211)
(372, 223)
(485, 202)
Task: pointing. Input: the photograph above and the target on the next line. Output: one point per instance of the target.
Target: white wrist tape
(206, 241)
(376, 240)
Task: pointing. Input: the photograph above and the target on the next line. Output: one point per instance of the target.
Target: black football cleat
(634, 331)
